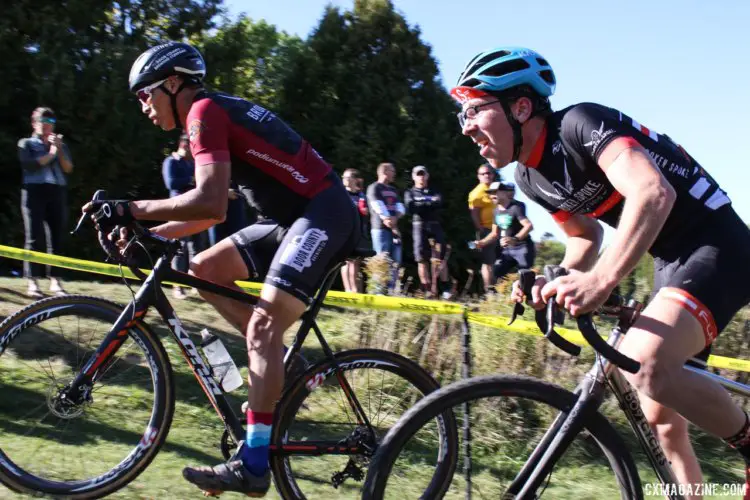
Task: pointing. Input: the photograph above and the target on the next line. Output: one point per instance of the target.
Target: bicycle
(67, 395)
(568, 426)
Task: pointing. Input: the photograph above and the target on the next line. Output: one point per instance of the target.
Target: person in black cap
(512, 227)
(424, 204)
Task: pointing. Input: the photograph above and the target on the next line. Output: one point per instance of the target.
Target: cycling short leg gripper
(254, 454)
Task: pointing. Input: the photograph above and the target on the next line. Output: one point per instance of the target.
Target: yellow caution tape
(333, 298)
(359, 300)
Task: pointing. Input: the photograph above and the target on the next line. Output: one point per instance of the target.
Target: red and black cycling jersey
(562, 174)
(277, 170)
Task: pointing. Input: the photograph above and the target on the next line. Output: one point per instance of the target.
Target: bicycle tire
(86, 308)
(466, 391)
(294, 398)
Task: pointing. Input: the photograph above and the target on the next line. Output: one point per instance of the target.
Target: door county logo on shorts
(303, 250)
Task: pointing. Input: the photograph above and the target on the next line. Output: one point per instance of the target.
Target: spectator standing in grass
(45, 163)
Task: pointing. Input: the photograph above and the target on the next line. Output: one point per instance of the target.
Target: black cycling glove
(110, 213)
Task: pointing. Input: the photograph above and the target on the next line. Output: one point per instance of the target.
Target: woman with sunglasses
(45, 161)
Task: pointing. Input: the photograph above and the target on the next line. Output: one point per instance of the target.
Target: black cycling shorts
(296, 258)
(711, 277)
(421, 233)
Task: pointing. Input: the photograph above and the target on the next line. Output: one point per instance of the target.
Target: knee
(653, 380)
(262, 334)
(209, 269)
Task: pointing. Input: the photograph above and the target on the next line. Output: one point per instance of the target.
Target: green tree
(76, 60)
(366, 89)
(250, 59)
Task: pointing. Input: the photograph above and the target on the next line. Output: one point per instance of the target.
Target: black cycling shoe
(230, 476)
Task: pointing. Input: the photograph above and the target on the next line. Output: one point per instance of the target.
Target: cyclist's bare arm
(181, 229)
(648, 200)
(584, 240)
(581, 251)
(207, 200)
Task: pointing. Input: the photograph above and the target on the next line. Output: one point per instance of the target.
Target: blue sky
(678, 67)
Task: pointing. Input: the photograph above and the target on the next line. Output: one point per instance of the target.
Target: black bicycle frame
(567, 425)
(151, 294)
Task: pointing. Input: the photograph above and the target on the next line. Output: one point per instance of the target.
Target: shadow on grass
(86, 430)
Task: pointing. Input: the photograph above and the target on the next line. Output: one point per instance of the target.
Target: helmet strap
(516, 126)
(173, 100)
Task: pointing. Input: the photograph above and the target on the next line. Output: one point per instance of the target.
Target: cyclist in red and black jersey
(589, 162)
(311, 224)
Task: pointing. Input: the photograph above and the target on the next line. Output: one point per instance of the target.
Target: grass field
(195, 432)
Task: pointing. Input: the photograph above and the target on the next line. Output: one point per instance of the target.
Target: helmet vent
(506, 67)
(542, 61)
(471, 83)
(547, 76)
(489, 57)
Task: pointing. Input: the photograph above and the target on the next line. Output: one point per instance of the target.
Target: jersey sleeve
(208, 129)
(587, 129)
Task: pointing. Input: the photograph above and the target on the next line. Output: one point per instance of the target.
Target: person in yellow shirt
(481, 209)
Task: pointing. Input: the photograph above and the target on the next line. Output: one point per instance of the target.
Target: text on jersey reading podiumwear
(276, 168)
(563, 176)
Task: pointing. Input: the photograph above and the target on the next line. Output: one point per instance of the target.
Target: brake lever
(526, 279)
(99, 195)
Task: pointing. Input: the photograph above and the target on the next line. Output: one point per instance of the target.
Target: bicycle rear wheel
(509, 415)
(84, 449)
(319, 445)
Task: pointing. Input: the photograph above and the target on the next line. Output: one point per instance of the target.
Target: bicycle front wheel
(321, 445)
(509, 415)
(87, 448)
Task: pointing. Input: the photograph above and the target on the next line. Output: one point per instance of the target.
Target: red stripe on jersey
(538, 150)
(614, 148)
(561, 216)
(607, 205)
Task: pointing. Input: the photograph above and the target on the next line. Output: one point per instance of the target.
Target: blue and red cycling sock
(254, 453)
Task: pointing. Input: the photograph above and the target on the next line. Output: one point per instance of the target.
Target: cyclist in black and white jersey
(588, 162)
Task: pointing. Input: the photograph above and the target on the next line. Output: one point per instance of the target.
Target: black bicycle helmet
(165, 60)
(161, 62)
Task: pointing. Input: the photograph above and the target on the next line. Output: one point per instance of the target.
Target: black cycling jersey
(423, 203)
(563, 176)
(276, 168)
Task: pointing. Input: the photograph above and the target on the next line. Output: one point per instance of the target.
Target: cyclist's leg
(323, 235)
(672, 431)
(702, 292)
(245, 254)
